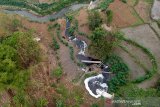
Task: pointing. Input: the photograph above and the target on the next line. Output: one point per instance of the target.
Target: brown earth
(41, 80)
(123, 14)
(83, 21)
(143, 9)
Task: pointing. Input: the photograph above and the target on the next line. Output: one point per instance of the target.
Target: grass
(158, 23)
(149, 1)
(150, 55)
(57, 72)
(139, 19)
(135, 59)
(78, 77)
(75, 95)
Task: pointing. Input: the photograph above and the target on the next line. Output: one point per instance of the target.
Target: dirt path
(145, 36)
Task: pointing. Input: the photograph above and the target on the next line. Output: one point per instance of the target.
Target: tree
(102, 43)
(27, 49)
(104, 4)
(17, 53)
(11, 77)
(94, 20)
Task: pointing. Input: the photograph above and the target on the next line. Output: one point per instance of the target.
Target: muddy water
(46, 18)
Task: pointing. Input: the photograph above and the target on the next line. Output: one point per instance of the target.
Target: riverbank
(33, 17)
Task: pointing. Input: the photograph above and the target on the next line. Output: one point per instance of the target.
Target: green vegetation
(104, 4)
(55, 44)
(94, 105)
(149, 1)
(41, 102)
(87, 75)
(102, 43)
(59, 103)
(109, 16)
(95, 20)
(17, 53)
(120, 69)
(71, 50)
(43, 8)
(75, 95)
(135, 58)
(158, 86)
(57, 72)
(145, 50)
(158, 22)
(132, 92)
(124, 1)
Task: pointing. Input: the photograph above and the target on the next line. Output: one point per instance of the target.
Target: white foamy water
(96, 87)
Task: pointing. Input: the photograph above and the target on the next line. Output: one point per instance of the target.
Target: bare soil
(143, 9)
(82, 18)
(123, 14)
(41, 80)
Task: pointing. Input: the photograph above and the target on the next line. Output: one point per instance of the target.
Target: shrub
(94, 20)
(158, 22)
(94, 105)
(102, 43)
(57, 72)
(104, 4)
(42, 102)
(71, 52)
(109, 16)
(120, 69)
(59, 103)
(55, 44)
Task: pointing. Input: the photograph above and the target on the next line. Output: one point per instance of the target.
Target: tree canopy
(95, 20)
(102, 43)
(17, 53)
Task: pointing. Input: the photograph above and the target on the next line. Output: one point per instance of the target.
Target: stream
(96, 85)
(32, 17)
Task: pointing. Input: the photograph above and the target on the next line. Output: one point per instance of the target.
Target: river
(32, 17)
